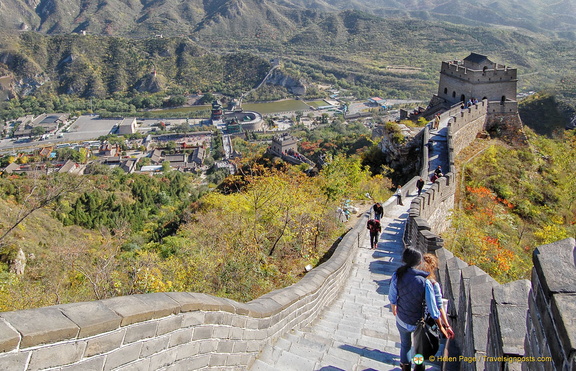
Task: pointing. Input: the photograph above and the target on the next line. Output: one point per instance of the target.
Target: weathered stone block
(122, 356)
(154, 345)
(239, 346)
(57, 355)
(237, 333)
(162, 304)
(91, 317)
(513, 293)
(180, 337)
(188, 350)
(208, 346)
(194, 318)
(9, 338)
(218, 360)
(221, 332)
(512, 328)
(202, 332)
(139, 365)
(140, 331)
(554, 264)
(160, 360)
(225, 346)
(194, 363)
(41, 326)
(130, 308)
(480, 293)
(104, 343)
(479, 330)
(169, 324)
(215, 318)
(239, 321)
(14, 361)
(564, 313)
(92, 364)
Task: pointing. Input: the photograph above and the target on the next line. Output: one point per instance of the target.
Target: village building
(237, 120)
(48, 122)
(285, 146)
(127, 126)
(109, 150)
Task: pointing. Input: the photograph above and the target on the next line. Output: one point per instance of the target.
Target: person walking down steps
(375, 228)
(399, 195)
(419, 185)
(378, 210)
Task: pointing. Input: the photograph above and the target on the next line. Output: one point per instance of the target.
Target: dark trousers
(373, 240)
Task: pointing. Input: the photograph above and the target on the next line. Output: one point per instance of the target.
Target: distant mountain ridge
(184, 17)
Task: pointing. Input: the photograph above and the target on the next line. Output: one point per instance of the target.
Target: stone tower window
(503, 99)
(445, 90)
(453, 94)
(462, 98)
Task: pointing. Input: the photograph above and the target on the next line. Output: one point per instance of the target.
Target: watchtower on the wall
(477, 77)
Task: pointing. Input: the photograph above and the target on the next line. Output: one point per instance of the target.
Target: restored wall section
(185, 331)
(520, 325)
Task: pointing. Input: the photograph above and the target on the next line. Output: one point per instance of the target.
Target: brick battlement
(531, 319)
(497, 73)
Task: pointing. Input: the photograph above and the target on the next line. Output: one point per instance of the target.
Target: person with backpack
(410, 294)
(375, 228)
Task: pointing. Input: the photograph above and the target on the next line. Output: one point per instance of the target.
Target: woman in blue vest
(409, 288)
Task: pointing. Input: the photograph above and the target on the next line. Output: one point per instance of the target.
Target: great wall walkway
(358, 330)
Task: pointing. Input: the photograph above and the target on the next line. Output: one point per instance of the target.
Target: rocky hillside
(225, 45)
(177, 17)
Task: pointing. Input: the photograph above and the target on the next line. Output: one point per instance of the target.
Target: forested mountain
(142, 18)
(390, 48)
(390, 57)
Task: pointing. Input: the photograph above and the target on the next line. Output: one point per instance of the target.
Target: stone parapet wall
(502, 108)
(552, 306)
(520, 325)
(182, 331)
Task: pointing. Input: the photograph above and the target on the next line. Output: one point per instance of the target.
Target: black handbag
(426, 337)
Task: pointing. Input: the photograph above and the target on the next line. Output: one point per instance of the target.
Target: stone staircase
(358, 330)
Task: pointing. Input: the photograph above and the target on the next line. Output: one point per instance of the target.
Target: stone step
(289, 361)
